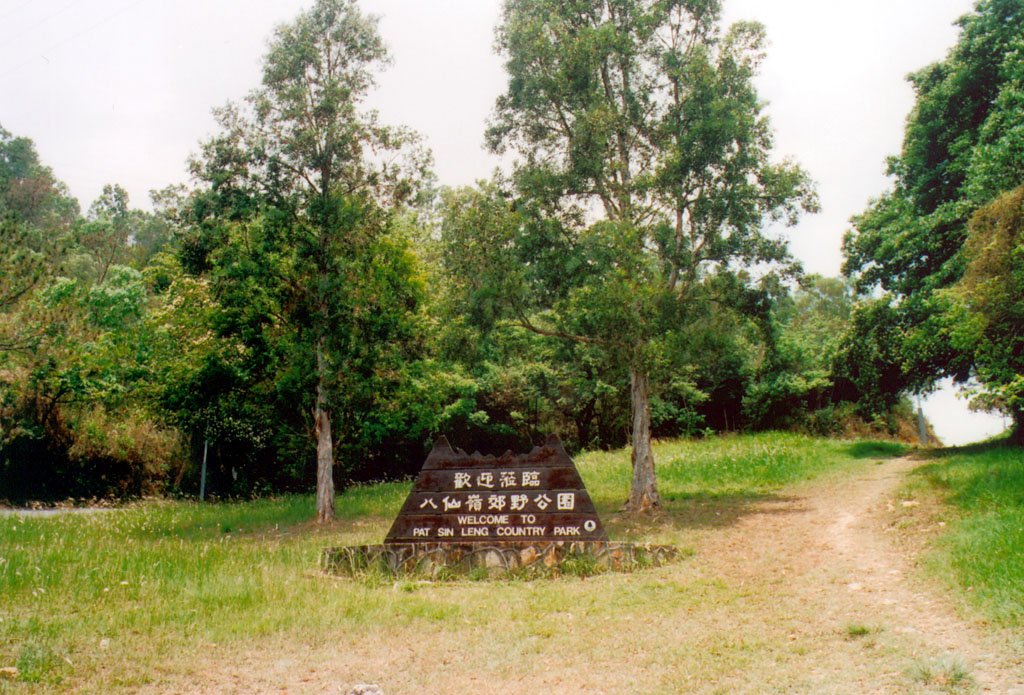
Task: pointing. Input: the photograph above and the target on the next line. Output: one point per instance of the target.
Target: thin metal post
(202, 479)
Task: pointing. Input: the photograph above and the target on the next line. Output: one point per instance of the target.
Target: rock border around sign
(441, 560)
(473, 515)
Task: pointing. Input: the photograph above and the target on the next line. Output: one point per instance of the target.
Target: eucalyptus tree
(644, 181)
(300, 189)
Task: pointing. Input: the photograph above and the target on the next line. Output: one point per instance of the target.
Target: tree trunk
(643, 495)
(324, 444)
(1018, 427)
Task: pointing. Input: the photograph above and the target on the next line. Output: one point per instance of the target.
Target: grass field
(106, 602)
(982, 552)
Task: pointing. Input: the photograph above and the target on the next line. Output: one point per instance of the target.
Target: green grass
(710, 483)
(78, 588)
(949, 674)
(981, 553)
(728, 466)
(95, 602)
(854, 630)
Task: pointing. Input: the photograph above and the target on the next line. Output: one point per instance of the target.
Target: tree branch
(525, 322)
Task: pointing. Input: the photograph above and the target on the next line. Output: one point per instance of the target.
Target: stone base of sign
(521, 558)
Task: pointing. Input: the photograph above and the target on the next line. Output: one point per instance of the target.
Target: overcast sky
(120, 91)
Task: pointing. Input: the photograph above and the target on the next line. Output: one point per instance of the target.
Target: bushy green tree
(989, 305)
(963, 146)
(795, 383)
(293, 220)
(37, 217)
(644, 181)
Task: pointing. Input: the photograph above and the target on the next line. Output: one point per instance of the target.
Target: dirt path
(845, 562)
(812, 593)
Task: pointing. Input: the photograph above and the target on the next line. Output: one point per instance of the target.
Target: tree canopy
(963, 146)
(311, 310)
(642, 190)
(988, 305)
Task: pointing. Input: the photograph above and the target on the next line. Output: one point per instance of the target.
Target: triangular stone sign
(461, 498)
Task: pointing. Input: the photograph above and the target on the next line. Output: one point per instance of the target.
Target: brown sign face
(458, 498)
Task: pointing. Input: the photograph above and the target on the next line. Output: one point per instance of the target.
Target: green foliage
(36, 215)
(721, 369)
(84, 422)
(612, 110)
(644, 182)
(302, 276)
(963, 146)
(518, 386)
(316, 288)
(989, 307)
(80, 351)
(873, 361)
(797, 383)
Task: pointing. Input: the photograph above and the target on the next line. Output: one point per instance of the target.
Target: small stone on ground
(366, 689)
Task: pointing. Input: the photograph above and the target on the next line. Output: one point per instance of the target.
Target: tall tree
(963, 145)
(644, 182)
(300, 189)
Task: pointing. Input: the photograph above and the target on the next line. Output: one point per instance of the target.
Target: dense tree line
(936, 256)
(312, 309)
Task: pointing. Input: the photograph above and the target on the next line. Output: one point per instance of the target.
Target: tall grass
(983, 551)
(94, 602)
(76, 589)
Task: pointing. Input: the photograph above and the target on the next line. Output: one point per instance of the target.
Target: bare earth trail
(837, 547)
(810, 593)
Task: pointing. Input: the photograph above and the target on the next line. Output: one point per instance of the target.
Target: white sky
(120, 91)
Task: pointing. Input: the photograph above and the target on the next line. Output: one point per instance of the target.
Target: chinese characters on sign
(463, 498)
(486, 479)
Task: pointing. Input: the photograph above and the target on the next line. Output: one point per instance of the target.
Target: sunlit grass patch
(856, 630)
(39, 660)
(981, 551)
(729, 465)
(874, 449)
(710, 483)
(159, 572)
(372, 500)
